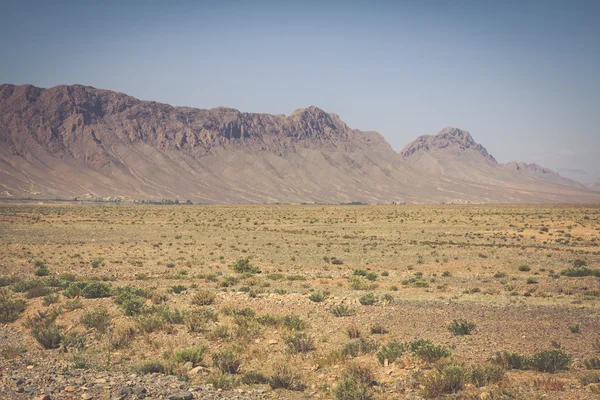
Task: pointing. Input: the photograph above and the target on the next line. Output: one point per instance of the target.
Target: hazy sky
(522, 76)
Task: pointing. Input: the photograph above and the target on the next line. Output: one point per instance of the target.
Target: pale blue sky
(522, 76)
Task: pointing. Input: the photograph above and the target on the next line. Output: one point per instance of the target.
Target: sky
(522, 76)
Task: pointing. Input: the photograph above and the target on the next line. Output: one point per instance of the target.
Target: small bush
(577, 272)
(254, 378)
(243, 266)
(342, 311)
(461, 327)
(226, 362)
(390, 352)
(318, 296)
(551, 361)
(486, 374)
(524, 268)
(358, 347)
(42, 271)
(177, 289)
(10, 308)
(96, 290)
(151, 367)
(195, 355)
(450, 379)
(268, 320)
(378, 329)
(203, 298)
(352, 387)
(122, 336)
(222, 381)
(284, 378)
(51, 298)
(368, 299)
(511, 360)
(353, 332)
(427, 351)
(38, 291)
(44, 329)
(293, 322)
(592, 363)
(98, 319)
(300, 343)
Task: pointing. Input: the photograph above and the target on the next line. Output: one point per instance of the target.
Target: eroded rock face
(447, 138)
(78, 141)
(81, 121)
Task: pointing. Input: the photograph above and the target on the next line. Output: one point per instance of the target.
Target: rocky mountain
(78, 141)
(595, 186)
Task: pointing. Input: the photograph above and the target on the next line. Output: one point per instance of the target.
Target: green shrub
(300, 342)
(195, 355)
(243, 266)
(51, 298)
(360, 272)
(98, 319)
(268, 320)
(38, 291)
(203, 298)
(371, 276)
(96, 290)
(74, 340)
(390, 352)
(44, 329)
(318, 296)
(511, 360)
(461, 327)
(177, 289)
(353, 332)
(222, 381)
(524, 268)
(351, 387)
(592, 363)
(42, 271)
(486, 374)
(130, 299)
(342, 311)
(293, 322)
(96, 262)
(358, 347)
(550, 361)
(427, 351)
(254, 378)
(378, 329)
(284, 378)
(10, 308)
(6, 280)
(577, 272)
(151, 367)
(450, 379)
(226, 362)
(368, 299)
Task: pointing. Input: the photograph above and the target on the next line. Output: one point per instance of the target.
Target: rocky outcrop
(447, 138)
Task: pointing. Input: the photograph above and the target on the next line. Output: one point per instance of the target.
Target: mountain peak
(447, 139)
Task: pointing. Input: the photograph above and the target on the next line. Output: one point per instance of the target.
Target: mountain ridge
(81, 141)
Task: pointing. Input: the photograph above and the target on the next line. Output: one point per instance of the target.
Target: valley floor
(346, 302)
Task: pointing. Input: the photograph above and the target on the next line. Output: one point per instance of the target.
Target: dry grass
(302, 285)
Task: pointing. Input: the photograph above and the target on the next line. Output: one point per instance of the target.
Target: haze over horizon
(522, 77)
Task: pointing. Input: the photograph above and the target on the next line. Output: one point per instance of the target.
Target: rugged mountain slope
(454, 154)
(595, 186)
(80, 141)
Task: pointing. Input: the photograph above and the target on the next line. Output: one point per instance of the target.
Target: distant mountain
(595, 186)
(78, 141)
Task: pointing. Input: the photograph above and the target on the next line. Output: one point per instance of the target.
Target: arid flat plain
(299, 301)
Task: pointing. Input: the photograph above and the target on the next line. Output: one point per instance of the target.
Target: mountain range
(79, 141)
